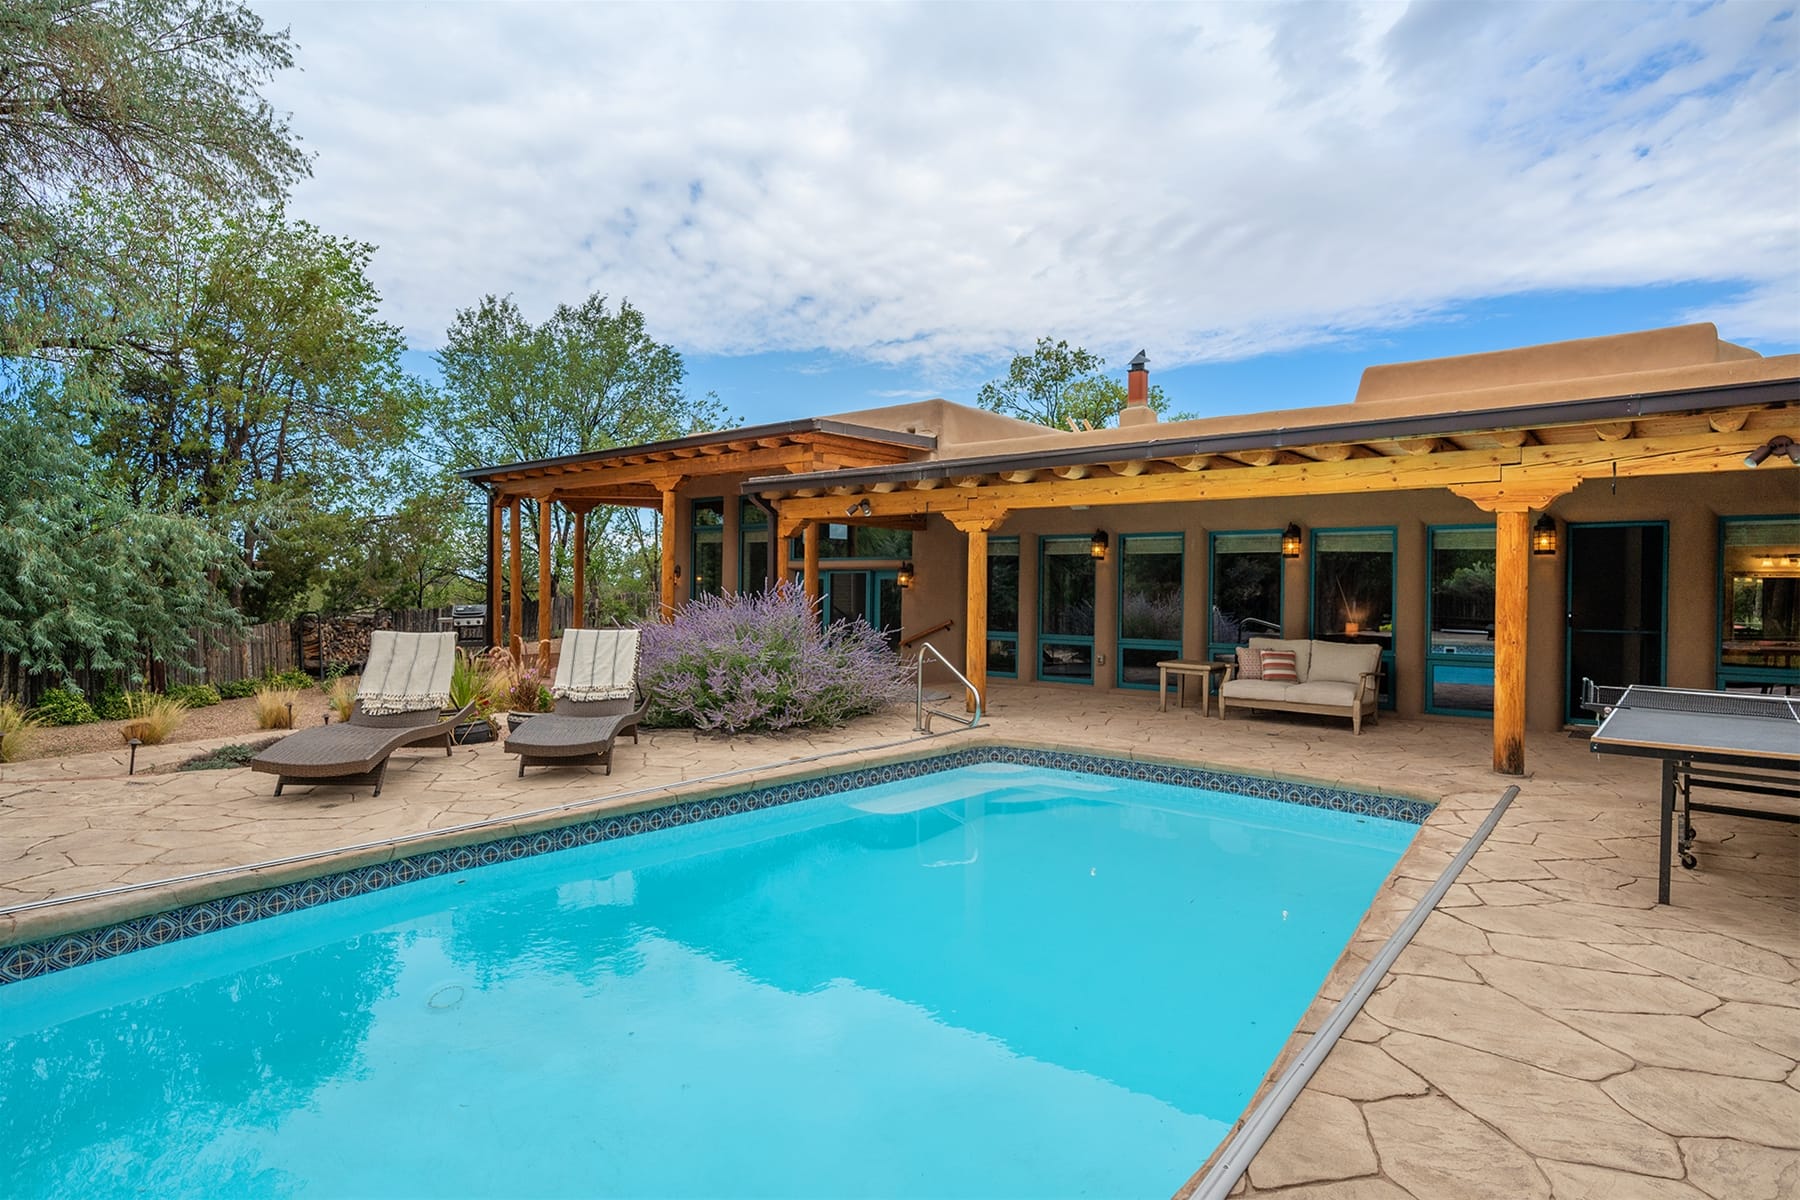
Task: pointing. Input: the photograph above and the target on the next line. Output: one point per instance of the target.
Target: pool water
(992, 981)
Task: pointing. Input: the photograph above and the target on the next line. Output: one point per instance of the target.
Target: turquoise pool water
(992, 981)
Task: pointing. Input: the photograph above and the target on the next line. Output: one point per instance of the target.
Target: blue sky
(829, 207)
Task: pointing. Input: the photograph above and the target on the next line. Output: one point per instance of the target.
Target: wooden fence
(276, 646)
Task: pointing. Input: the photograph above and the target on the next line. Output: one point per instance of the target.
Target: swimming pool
(993, 980)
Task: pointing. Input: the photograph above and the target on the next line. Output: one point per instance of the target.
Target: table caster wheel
(1689, 861)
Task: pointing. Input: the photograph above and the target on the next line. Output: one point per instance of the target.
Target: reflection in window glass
(1066, 610)
(1246, 588)
(709, 547)
(1003, 607)
(857, 541)
(1460, 657)
(1149, 605)
(1353, 582)
(1759, 635)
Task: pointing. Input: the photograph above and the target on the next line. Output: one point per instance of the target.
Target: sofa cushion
(1255, 689)
(1249, 663)
(1278, 666)
(1322, 691)
(1300, 646)
(1341, 662)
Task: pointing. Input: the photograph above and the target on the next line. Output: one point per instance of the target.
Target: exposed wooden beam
(969, 481)
(1069, 472)
(1428, 445)
(1129, 468)
(1728, 422)
(1513, 437)
(1191, 462)
(1018, 476)
(1613, 431)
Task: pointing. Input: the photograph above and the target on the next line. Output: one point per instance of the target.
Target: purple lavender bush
(762, 662)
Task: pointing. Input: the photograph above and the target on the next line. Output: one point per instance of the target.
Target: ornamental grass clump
(340, 697)
(275, 707)
(151, 718)
(18, 731)
(762, 662)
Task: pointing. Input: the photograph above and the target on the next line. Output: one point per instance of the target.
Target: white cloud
(929, 184)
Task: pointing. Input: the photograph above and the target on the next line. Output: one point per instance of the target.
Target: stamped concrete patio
(1550, 1032)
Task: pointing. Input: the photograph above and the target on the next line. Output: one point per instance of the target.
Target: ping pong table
(1717, 740)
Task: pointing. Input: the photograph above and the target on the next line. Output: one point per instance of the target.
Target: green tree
(114, 96)
(1061, 386)
(264, 387)
(92, 578)
(588, 378)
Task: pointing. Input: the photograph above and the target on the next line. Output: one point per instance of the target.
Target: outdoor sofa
(1334, 679)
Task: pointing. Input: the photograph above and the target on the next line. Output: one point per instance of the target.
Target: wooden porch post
(545, 555)
(976, 648)
(1512, 565)
(581, 516)
(496, 566)
(667, 611)
(515, 628)
(809, 542)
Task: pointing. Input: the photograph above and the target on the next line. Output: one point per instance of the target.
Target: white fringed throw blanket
(407, 672)
(596, 664)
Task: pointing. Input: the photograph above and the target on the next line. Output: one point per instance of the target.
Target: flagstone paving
(1550, 1032)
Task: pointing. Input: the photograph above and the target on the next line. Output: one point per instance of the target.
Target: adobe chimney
(1137, 410)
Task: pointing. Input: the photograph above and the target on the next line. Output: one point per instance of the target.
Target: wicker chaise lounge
(597, 699)
(400, 702)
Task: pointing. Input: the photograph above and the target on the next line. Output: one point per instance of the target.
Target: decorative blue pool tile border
(31, 959)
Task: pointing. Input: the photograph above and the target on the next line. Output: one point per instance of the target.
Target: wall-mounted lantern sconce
(1097, 547)
(861, 508)
(905, 576)
(1781, 443)
(1543, 536)
(1290, 541)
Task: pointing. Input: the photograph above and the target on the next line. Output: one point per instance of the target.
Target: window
(1353, 592)
(1246, 588)
(1149, 605)
(1003, 607)
(753, 548)
(709, 548)
(856, 541)
(1065, 610)
(1459, 652)
(1759, 607)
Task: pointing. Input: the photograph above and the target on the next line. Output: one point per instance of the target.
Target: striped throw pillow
(1249, 663)
(1280, 666)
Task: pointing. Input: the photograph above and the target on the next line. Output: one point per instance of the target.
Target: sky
(832, 207)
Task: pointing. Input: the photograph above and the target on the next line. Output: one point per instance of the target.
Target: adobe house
(1502, 525)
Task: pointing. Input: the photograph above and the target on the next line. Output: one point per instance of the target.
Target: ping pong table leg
(1668, 825)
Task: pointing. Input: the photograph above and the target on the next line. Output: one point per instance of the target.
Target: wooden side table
(1205, 669)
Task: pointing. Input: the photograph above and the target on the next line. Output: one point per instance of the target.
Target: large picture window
(1149, 605)
(709, 548)
(1246, 589)
(856, 541)
(1759, 604)
(1459, 655)
(1353, 593)
(1065, 610)
(1003, 607)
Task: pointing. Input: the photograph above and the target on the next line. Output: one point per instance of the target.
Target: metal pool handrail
(1235, 1159)
(922, 715)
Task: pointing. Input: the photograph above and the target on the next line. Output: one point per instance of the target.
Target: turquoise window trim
(1389, 691)
(1124, 643)
(1214, 649)
(1586, 718)
(1060, 639)
(1434, 660)
(1722, 674)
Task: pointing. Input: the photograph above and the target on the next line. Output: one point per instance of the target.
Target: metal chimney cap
(1141, 362)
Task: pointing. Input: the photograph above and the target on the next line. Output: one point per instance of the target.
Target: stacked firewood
(345, 639)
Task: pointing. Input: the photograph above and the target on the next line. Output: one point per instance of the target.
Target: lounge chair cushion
(407, 672)
(596, 664)
(1342, 662)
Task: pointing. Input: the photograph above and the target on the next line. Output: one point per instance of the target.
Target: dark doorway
(1618, 604)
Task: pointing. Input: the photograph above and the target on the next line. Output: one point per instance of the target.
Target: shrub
(151, 718)
(64, 706)
(18, 731)
(761, 661)
(226, 757)
(474, 680)
(294, 679)
(195, 695)
(275, 707)
(520, 688)
(111, 706)
(237, 689)
(340, 697)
